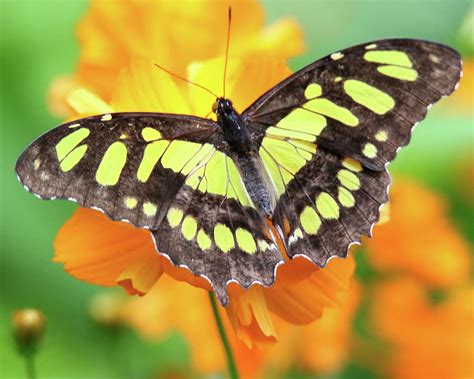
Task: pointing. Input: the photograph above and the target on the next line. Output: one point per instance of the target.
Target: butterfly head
(222, 107)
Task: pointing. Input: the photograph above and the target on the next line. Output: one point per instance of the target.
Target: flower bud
(28, 328)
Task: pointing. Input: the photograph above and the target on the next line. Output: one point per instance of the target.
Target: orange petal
(249, 316)
(142, 87)
(107, 253)
(324, 345)
(304, 301)
(113, 32)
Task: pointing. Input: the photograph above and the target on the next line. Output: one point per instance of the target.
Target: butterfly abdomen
(257, 182)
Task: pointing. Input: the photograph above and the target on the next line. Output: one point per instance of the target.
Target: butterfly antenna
(186, 80)
(227, 47)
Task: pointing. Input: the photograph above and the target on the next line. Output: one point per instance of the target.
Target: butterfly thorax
(244, 153)
(232, 126)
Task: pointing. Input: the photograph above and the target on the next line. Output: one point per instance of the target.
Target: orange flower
(108, 253)
(323, 346)
(419, 238)
(429, 340)
(171, 33)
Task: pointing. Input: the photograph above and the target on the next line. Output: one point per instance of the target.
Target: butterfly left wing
(327, 132)
(168, 173)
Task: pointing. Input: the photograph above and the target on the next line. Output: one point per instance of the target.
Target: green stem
(30, 365)
(228, 351)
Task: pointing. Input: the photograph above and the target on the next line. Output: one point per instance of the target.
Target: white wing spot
(37, 163)
(434, 58)
(106, 117)
(336, 56)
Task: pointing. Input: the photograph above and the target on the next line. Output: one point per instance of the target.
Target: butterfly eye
(215, 106)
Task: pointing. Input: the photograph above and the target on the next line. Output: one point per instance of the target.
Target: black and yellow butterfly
(309, 156)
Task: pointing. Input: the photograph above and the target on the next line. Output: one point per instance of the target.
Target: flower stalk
(233, 374)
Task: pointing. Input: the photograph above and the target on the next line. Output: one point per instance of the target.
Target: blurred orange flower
(429, 340)
(100, 251)
(419, 238)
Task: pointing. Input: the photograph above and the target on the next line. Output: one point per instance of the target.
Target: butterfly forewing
(128, 165)
(361, 102)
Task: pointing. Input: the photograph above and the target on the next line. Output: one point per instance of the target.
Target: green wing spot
(398, 58)
(352, 164)
(381, 136)
(303, 121)
(203, 240)
(70, 142)
(346, 198)
(73, 158)
(310, 220)
(327, 206)
(149, 209)
(224, 238)
(178, 154)
(330, 109)
(150, 134)
(174, 217)
(189, 227)
(111, 165)
(152, 154)
(245, 241)
(397, 72)
(348, 180)
(313, 90)
(370, 97)
(130, 202)
(370, 151)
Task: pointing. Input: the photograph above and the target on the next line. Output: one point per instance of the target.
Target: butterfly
(300, 173)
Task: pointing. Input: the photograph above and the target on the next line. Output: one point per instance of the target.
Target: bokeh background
(38, 43)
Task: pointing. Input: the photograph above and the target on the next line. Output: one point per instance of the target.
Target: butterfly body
(310, 155)
(243, 150)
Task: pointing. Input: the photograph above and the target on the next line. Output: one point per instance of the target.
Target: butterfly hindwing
(329, 204)
(361, 102)
(218, 238)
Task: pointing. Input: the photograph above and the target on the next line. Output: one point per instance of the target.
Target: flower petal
(247, 79)
(195, 34)
(142, 87)
(304, 301)
(107, 253)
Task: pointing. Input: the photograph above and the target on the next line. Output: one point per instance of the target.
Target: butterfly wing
(327, 132)
(167, 173)
(128, 165)
(361, 102)
(213, 229)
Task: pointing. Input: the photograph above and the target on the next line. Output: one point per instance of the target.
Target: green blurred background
(37, 43)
